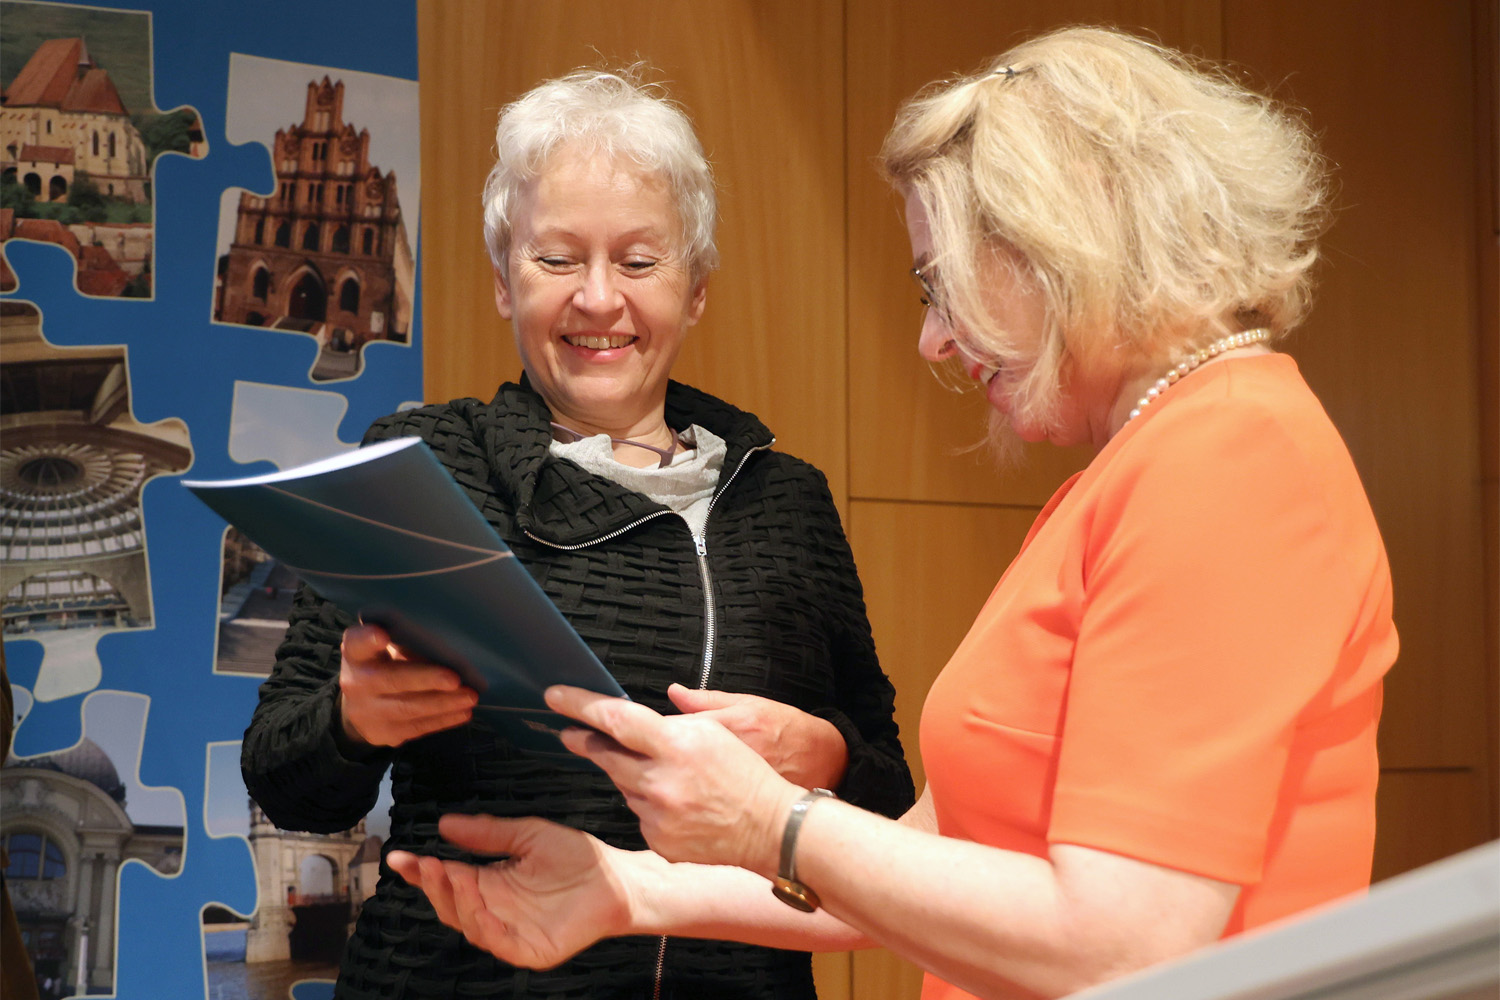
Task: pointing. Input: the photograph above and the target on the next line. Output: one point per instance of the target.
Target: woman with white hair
(709, 573)
(1160, 730)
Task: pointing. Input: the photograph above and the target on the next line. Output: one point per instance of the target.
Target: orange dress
(1183, 664)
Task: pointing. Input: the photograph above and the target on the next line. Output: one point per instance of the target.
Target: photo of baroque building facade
(326, 253)
(66, 833)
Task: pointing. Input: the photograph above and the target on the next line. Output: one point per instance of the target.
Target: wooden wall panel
(772, 339)
(927, 570)
(1487, 175)
(813, 322)
(908, 451)
(1390, 348)
(1424, 816)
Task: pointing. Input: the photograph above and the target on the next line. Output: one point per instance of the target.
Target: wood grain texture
(1487, 173)
(1390, 347)
(767, 99)
(1424, 816)
(833, 975)
(927, 568)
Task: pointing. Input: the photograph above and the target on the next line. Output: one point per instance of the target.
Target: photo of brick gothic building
(327, 253)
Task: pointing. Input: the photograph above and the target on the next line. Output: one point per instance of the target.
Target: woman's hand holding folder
(387, 698)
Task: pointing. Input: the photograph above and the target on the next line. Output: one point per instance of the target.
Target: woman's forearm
(731, 904)
(854, 859)
(996, 923)
(986, 920)
(1003, 923)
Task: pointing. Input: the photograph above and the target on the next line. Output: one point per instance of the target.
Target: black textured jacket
(787, 621)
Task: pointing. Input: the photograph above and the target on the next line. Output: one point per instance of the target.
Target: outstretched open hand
(558, 892)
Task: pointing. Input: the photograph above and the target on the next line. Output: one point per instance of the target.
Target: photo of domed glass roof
(73, 461)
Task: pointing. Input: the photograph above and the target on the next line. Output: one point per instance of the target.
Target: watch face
(794, 894)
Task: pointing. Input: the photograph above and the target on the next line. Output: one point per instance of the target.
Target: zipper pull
(700, 545)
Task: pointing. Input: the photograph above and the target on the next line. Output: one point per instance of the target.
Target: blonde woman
(1161, 729)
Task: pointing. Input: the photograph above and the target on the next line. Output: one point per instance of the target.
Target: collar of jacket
(555, 499)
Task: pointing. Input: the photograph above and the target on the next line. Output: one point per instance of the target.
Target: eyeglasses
(930, 297)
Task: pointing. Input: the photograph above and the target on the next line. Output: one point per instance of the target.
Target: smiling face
(1018, 308)
(1015, 309)
(599, 292)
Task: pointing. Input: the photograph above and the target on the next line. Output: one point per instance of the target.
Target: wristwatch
(785, 886)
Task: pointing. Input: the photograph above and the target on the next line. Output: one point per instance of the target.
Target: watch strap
(785, 885)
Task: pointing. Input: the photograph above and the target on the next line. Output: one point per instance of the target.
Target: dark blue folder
(385, 533)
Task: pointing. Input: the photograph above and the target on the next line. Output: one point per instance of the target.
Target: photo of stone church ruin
(79, 133)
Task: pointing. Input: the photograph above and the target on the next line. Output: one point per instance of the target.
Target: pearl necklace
(1257, 336)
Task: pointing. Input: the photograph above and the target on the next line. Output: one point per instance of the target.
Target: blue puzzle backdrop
(210, 244)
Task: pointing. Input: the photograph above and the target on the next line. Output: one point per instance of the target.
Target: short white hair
(608, 113)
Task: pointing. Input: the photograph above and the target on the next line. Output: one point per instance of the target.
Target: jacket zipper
(710, 627)
(595, 541)
(710, 622)
(661, 967)
(700, 545)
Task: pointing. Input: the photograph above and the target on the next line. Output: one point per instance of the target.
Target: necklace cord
(1249, 337)
(664, 454)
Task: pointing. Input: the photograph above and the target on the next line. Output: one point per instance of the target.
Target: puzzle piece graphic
(115, 822)
(328, 250)
(85, 135)
(20, 704)
(182, 365)
(295, 876)
(225, 813)
(116, 722)
(114, 725)
(73, 466)
(285, 426)
(55, 725)
(70, 663)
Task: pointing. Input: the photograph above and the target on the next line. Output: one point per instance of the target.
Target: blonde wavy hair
(1154, 203)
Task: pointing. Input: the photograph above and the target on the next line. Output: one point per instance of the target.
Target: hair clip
(1009, 72)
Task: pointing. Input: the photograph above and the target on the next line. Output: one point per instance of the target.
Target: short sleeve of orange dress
(1183, 665)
